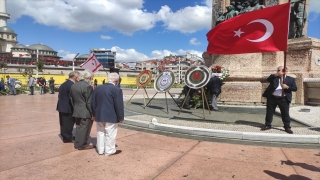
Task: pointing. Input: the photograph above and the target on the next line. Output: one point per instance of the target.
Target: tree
(40, 65)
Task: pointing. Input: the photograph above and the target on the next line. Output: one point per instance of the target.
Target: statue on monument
(246, 7)
(220, 18)
(230, 12)
(256, 5)
(298, 17)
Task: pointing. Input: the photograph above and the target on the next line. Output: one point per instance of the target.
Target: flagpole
(304, 11)
(284, 70)
(73, 62)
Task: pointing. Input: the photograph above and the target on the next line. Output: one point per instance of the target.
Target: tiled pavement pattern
(31, 149)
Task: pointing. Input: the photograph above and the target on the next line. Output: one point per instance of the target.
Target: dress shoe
(117, 152)
(288, 130)
(265, 128)
(86, 148)
(68, 141)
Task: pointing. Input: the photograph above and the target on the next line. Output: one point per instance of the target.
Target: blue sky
(136, 29)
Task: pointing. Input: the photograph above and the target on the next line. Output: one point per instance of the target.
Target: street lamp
(179, 70)
(73, 61)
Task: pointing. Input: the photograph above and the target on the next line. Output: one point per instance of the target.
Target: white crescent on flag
(91, 64)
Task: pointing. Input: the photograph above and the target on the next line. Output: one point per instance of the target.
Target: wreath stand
(204, 98)
(144, 100)
(165, 93)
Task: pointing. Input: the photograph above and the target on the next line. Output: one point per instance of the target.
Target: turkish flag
(264, 30)
(91, 63)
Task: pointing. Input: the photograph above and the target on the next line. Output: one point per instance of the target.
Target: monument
(248, 72)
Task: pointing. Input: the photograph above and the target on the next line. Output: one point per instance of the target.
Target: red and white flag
(264, 30)
(91, 63)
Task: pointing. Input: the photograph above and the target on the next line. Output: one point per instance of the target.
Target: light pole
(179, 70)
(73, 61)
(37, 63)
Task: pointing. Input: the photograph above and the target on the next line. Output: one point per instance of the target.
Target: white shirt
(278, 91)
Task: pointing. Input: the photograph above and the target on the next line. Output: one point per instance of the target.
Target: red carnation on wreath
(216, 69)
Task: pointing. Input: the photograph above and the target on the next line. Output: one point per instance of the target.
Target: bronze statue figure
(298, 17)
(220, 18)
(230, 12)
(256, 5)
(246, 7)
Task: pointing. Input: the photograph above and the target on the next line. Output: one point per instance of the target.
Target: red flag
(20, 55)
(91, 63)
(264, 30)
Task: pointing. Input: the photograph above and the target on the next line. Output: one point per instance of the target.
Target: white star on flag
(238, 33)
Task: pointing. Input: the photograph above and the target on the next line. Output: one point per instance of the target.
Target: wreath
(223, 72)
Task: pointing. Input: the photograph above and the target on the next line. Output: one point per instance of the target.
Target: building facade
(106, 57)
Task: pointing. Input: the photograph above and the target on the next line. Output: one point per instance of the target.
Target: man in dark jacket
(51, 84)
(214, 87)
(279, 94)
(81, 93)
(108, 110)
(65, 108)
(42, 84)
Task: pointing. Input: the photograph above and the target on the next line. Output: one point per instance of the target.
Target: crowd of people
(80, 104)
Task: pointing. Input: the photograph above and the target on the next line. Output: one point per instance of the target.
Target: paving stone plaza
(162, 148)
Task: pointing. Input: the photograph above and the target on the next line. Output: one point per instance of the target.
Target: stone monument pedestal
(248, 72)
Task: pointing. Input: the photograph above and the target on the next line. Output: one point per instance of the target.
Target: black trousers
(284, 105)
(66, 126)
(31, 90)
(52, 89)
(83, 129)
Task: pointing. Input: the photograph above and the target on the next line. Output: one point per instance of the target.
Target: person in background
(31, 83)
(2, 85)
(65, 108)
(51, 84)
(214, 87)
(95, 83)
(108, 110)
(80, 94)
(11, 83)
(42, 84)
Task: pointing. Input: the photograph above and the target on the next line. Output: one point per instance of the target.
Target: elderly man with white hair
(108, 109)
(81, 93)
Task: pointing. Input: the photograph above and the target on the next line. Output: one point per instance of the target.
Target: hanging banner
(196, 77)
(164, 81)
(143, 78)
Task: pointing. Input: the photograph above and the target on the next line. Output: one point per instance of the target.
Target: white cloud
(314, 6)
(186, 20)
(124, 16)
(193, 41)
(128, 55)
(105, 37)
(66, 55)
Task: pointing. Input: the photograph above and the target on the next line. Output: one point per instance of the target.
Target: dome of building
(84, 56)
(20, 46)
(6, 29)
(40, 47)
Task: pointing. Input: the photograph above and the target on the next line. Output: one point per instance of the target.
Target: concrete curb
(266, 137)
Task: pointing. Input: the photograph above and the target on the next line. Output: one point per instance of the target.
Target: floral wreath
(223, 72)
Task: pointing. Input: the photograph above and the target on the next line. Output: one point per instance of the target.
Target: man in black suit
(108, 110)
(214, 87)
(81, 93)
(279, 94)
(65, 108)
